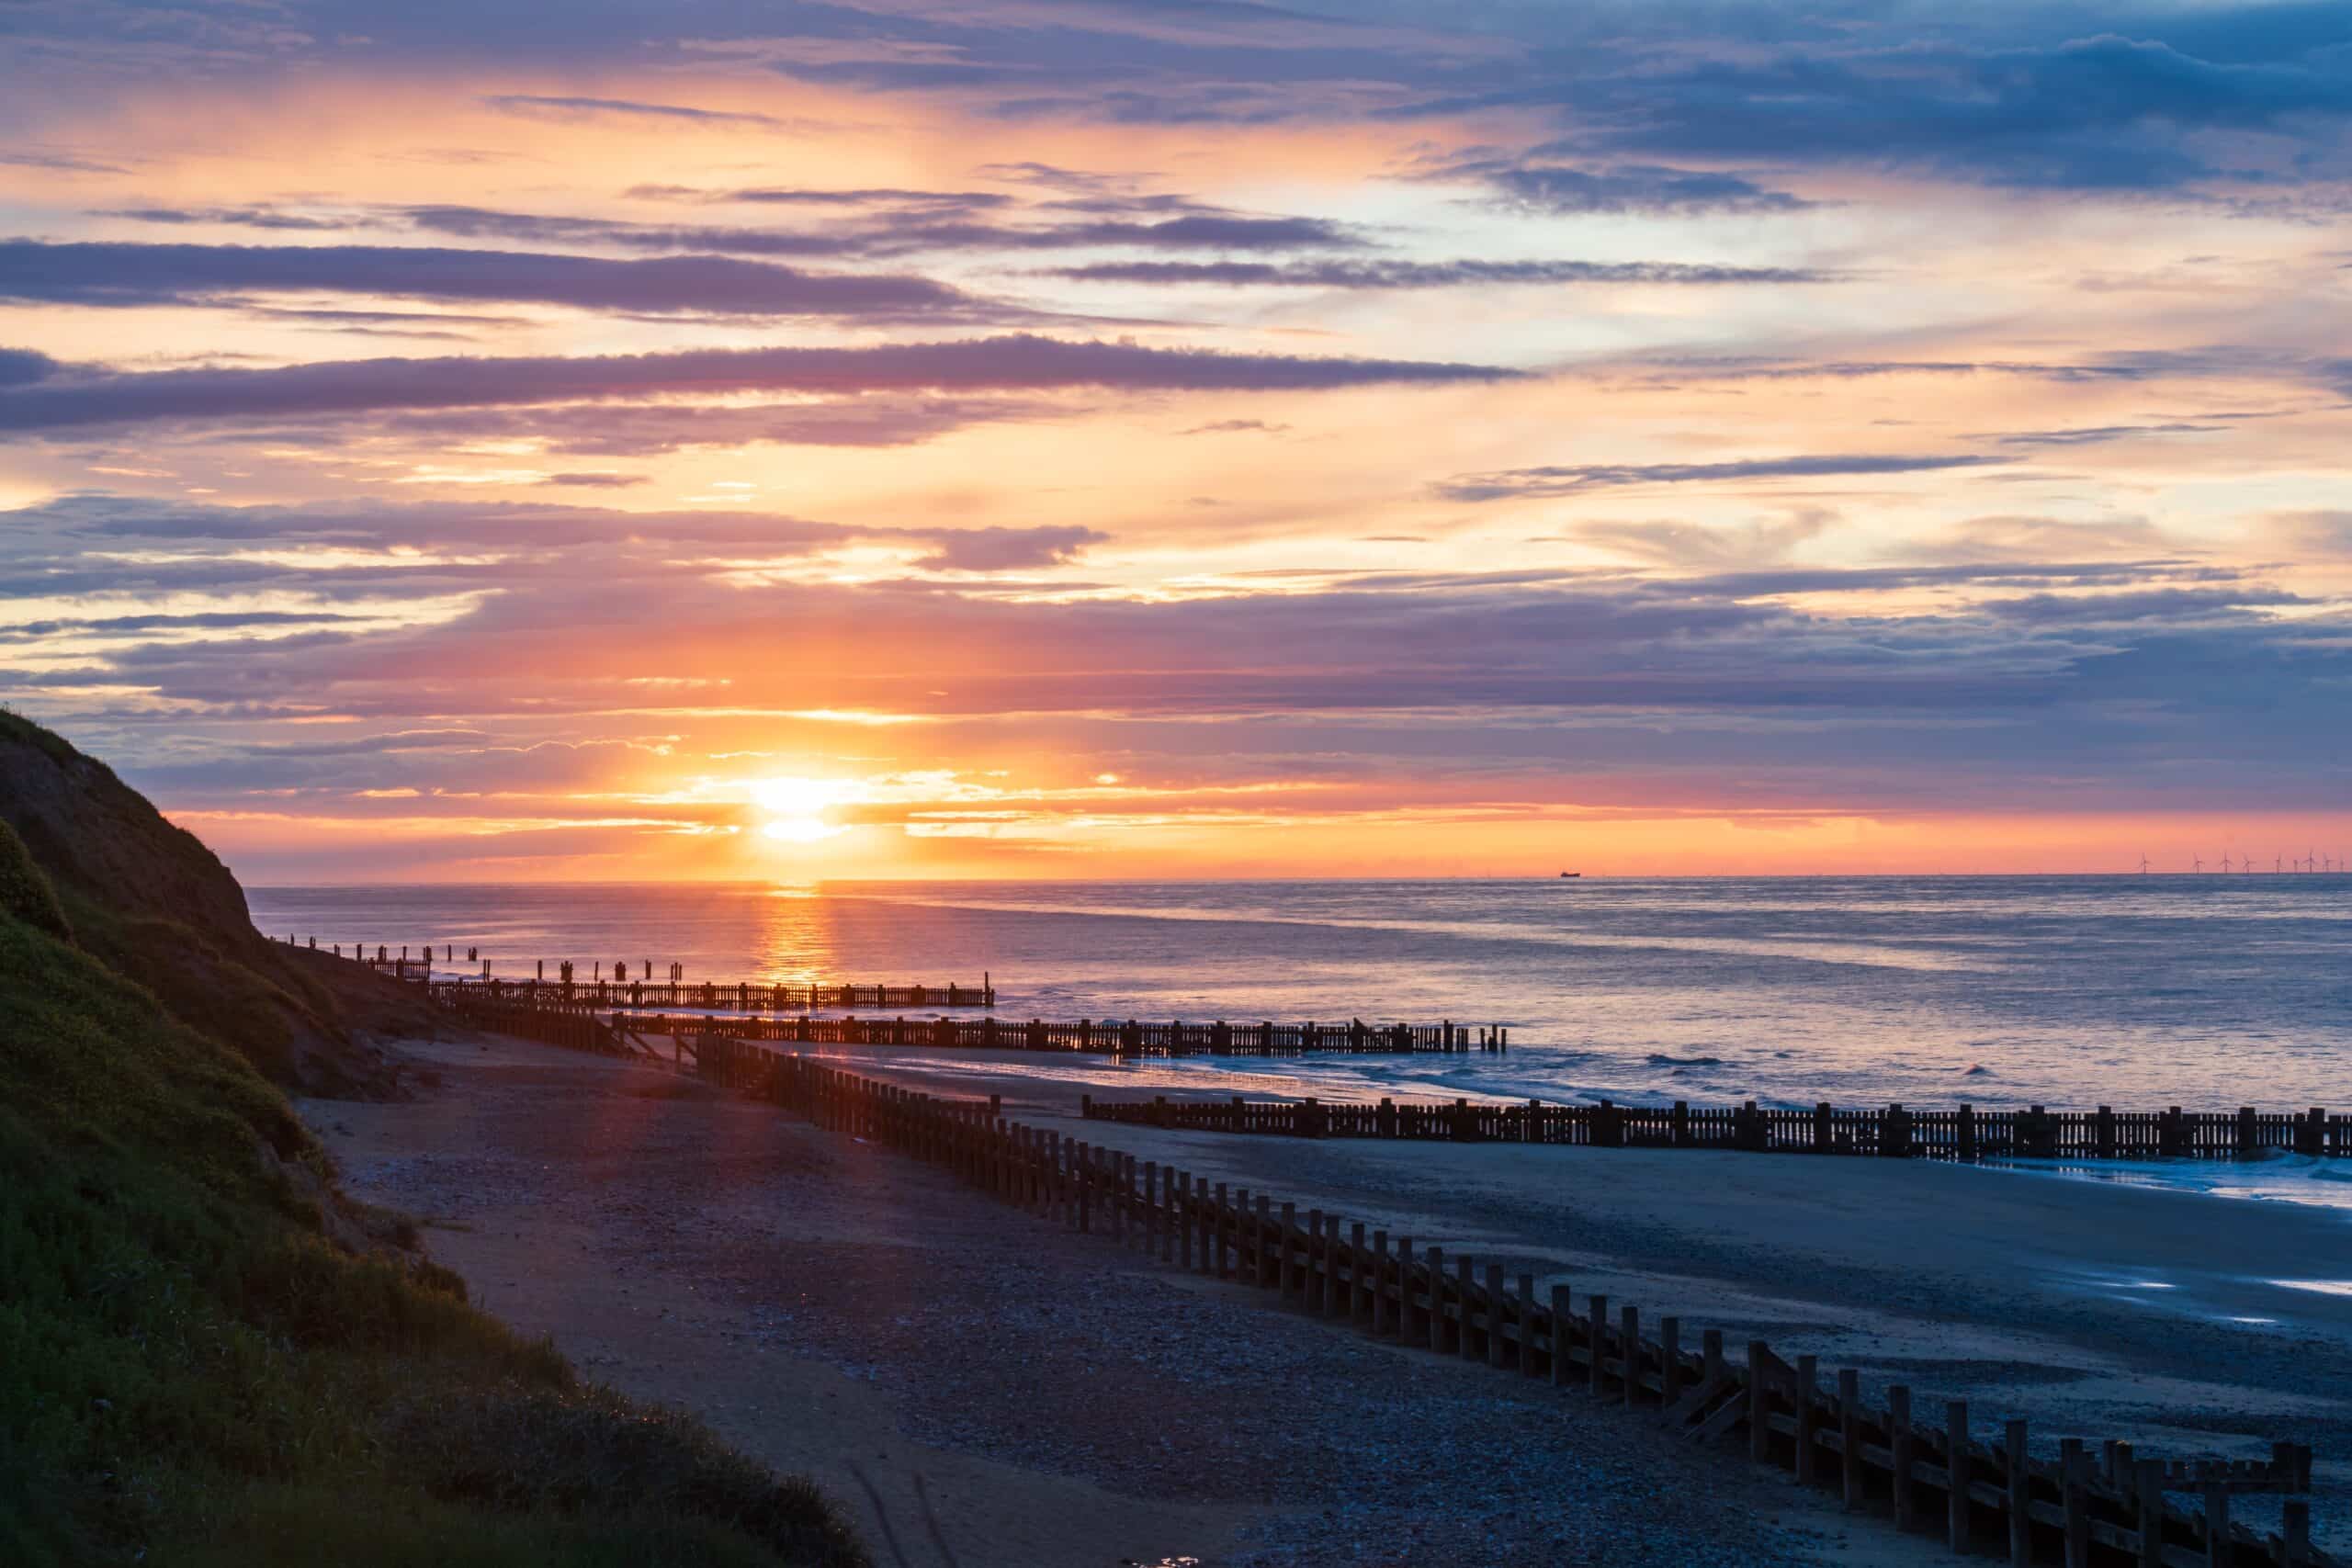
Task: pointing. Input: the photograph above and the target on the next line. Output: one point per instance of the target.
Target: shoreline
(1052, 1083)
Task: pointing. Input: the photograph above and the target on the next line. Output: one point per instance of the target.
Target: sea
(2140, 992)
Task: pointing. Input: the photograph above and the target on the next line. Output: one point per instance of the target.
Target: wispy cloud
(561, 107)
(1520, 484)
(1431, 275)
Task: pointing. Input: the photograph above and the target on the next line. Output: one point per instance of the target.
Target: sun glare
(796, 808)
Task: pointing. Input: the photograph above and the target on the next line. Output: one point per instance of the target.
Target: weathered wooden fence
(1966, 1133)
(2079, 1507)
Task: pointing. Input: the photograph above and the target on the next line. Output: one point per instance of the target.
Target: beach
(1026, 1396)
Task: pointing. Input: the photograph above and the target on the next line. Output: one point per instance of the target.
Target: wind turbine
(2225, 862)
(2197, 865)
(2143, 862)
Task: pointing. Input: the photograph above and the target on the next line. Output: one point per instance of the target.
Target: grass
(197, 1367)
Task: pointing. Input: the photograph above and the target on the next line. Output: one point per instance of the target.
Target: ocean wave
(1659, 1059)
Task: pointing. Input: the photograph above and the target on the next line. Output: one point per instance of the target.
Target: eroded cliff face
(150, 901)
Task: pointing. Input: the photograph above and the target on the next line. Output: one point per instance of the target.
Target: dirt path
(982, 1390)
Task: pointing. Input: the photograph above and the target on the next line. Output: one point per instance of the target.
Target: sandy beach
(2189, 1324)
(980, 1390)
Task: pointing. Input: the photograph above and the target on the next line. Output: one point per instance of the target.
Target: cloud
(869, 234)
(1234, 427)
(115, 274)
(2099, 435)
(1697, 547)
(806, 196)
(1429, 275)
(608, 430)
(1015, 363)
(595, 481)
(1009, 549)
(60, 162)
(1521, 484)
(542, 107)
(2102, 112)
(226, 217)
(1624, 187)
(19, 366)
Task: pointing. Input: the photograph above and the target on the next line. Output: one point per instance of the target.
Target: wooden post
(1184, 1217)
(1410, 1329)
(1204, 1225)
(1150, 1208)
(1905, 1449)
(2217, 1524)
(1849, 1435)
(1437, 1299)
(1808, 1419)
(2295, 1525)
(2148, 1483)
(2074, 1469)
(1956, 1464)
(1760, 1401)
(1462, 1287)
(1560, 1363)
(1339, 1289)
(1630, 1352)
(1495, 1316)
(1380, 1322)
(2017, 1484)
(1598, 1342)
(1298, 1280)
(1218, 1218)
(1360, 1277)
(1527, 1325)
(1266, 1277)
(1286, 1271)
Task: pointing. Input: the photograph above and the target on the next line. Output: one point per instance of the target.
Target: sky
(1083, 438)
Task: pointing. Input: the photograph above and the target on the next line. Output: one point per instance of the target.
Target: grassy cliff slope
(150, 901)
(209, 1357)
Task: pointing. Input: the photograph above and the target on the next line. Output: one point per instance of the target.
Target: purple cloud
(115, 274)
(1015, 363)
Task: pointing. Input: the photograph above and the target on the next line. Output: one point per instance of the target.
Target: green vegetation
(209, 1357)
(25, 890)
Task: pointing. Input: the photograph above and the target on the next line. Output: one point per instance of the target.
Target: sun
(797, 808)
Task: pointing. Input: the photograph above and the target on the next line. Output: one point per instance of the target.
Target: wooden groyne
(617, 988)
(2085, 1506)
(502, 1007)
(637, 996)
(1963, 1134)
